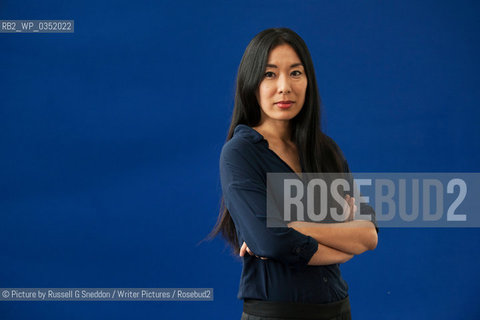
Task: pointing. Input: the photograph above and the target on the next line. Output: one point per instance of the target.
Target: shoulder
(331, 144)
(243, 146)
(241, 157)
(236, 150)
(332, 148)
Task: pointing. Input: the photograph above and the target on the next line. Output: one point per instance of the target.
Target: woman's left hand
(245, 248)
(350, 207)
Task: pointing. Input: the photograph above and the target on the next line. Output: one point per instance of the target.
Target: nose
(284, 84)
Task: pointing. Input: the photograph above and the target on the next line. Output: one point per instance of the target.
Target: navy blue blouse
(285, 276)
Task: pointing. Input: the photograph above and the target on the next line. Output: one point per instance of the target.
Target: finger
(351, 202)
(242, 249)
(346, 207)
(250, 251)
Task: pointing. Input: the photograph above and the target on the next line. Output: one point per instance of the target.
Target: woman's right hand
(245, 248)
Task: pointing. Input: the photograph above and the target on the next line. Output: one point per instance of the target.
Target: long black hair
(317, 152)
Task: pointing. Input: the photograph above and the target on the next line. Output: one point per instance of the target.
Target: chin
(286, 115)
(285, 118)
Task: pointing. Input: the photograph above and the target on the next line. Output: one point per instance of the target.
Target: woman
(290, 272)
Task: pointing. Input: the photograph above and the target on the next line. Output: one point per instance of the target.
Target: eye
(269, 74)
(296, 73)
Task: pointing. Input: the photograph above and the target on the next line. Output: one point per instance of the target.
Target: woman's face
(281, 93)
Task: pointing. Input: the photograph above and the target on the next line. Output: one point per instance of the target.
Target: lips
(284, 104)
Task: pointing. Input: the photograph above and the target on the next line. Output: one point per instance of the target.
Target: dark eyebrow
(292, 66)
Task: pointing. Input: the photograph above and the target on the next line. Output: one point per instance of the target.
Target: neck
(276, 130)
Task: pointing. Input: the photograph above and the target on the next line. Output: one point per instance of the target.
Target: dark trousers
(270, 310)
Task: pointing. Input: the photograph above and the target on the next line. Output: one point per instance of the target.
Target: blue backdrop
(110, 139)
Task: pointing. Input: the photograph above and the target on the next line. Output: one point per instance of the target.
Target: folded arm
(326, 255)
(352, 237)
(245, 194)
(323, 256)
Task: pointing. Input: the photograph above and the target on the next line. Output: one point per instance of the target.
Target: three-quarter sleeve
(244, 192)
